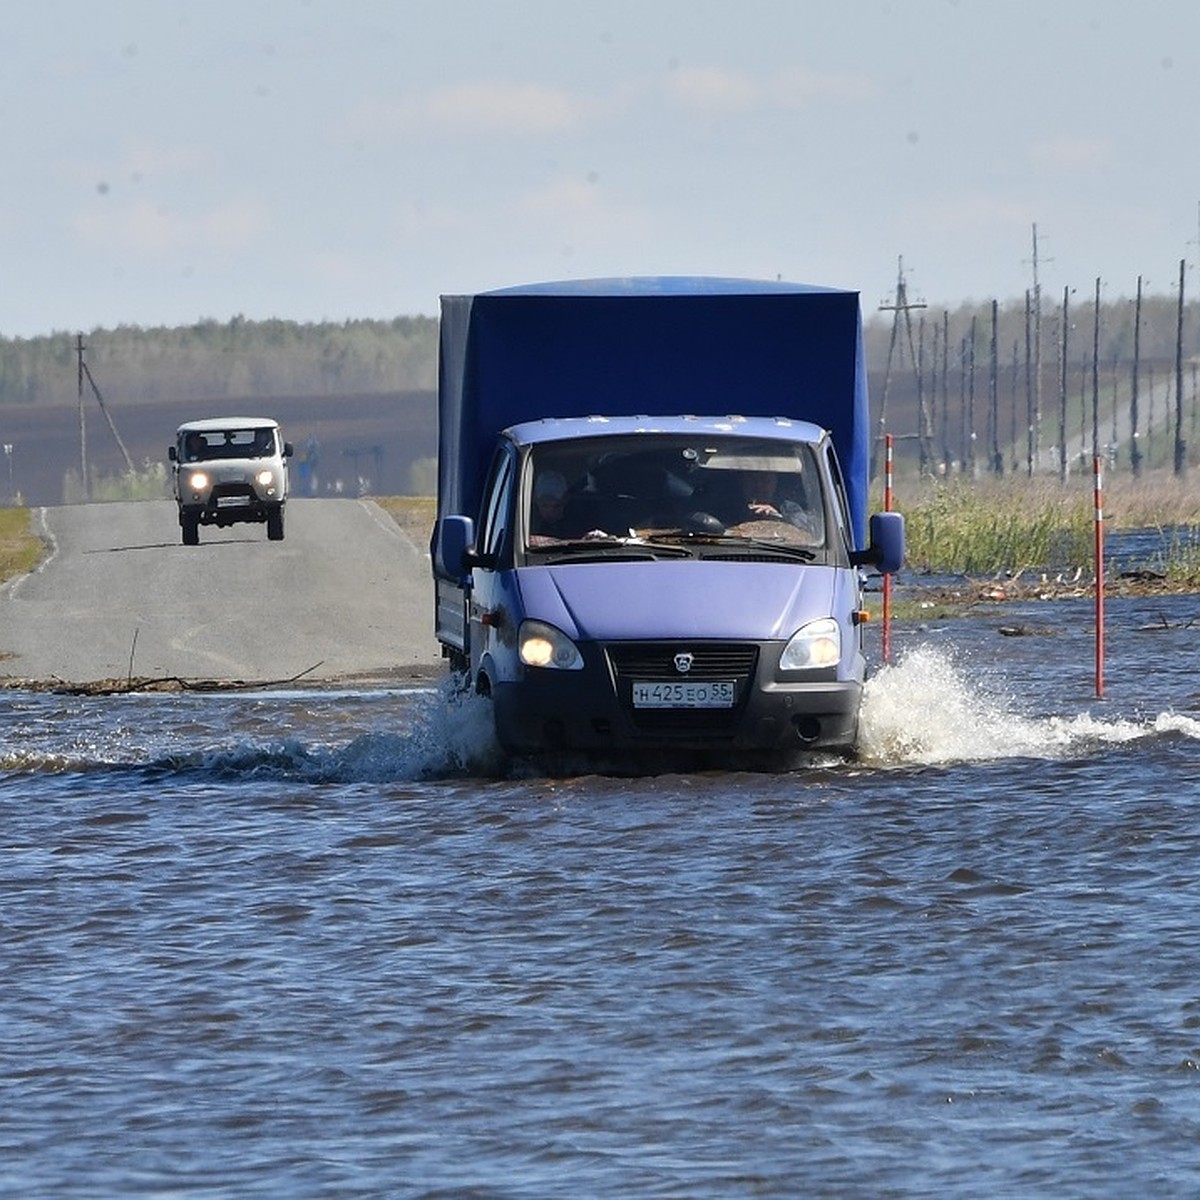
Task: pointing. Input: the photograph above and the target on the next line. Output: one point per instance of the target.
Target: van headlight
(541, 645)
(265, 478)
(817, 644)
(197, 481)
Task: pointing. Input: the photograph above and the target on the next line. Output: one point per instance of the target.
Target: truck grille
(655, 662)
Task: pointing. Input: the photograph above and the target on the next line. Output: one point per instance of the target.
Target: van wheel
(275, 525)
(191, 530)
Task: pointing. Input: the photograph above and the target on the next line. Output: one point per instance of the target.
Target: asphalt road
(346, 594)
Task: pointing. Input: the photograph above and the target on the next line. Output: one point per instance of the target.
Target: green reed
(958, 528)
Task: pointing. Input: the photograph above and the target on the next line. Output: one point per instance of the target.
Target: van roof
(209, 423)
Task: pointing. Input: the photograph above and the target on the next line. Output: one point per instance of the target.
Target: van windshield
(664, 486)
(204, 445)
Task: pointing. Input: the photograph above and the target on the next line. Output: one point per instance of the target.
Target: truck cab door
(493, 558)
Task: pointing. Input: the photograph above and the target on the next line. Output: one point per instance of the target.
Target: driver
(548, 518)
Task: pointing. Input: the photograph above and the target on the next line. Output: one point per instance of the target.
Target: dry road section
(347, 593)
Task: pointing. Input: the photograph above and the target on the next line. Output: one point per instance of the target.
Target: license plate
(232, 501)
(710, 693)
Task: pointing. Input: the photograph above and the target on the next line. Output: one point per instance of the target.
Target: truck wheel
(191, 530)
(275, 525)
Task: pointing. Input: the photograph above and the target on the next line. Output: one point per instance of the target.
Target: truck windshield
(666, 487)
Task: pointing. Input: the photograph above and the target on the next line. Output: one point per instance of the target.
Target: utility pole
(936, 418)
(1031, 440)
(972, 466)
(1135, 449)
(1062, 388)
(1180, 444)
(85, 371)
(1014, 404)
(946, 457)
(902, 305)
(83, 466)
(997, 459)
(1036, 402)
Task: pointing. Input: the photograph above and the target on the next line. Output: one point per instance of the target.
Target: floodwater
(318, 944)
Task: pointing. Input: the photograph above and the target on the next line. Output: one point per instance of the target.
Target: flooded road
(330, 943)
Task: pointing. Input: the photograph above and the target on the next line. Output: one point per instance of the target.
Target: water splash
(924, 711)
(931, 707)
(418, 734)
(452, 733)
(443, 732)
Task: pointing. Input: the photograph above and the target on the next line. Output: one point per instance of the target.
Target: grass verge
(20, 548)
(414, 514)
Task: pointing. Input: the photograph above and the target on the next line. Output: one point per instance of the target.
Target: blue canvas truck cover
(688, 345)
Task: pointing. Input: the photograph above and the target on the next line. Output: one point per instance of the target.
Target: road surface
(346, 594)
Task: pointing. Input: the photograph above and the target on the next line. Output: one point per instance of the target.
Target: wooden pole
(1135, 449)
(1180, 444)
(1099, 489)
(1037, 355)
(1062, 388)
(972, 463)
(1029, 383)
(997, 459)
(85, 490)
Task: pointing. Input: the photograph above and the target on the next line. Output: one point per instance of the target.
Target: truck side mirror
(455, 541)
(886, 549)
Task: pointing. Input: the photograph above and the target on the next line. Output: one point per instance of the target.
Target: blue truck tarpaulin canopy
(693, 345)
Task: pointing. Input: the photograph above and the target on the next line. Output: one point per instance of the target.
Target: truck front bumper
(593, 709)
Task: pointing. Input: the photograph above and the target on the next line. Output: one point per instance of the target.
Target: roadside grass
(414, 514)
(1016, 524)
(20, 548)
(963, 529)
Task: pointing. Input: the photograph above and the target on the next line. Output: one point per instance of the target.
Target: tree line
(218, 360)
(983, 386)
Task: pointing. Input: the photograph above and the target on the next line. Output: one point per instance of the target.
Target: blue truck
(652, 529)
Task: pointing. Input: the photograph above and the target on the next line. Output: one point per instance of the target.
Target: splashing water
(922, 711)
(416, 734)
(445, 732)
(452, 733)
(929, 708)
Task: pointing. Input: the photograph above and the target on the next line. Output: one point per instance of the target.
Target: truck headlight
(817, 644)
(197, 481)
(541, 645)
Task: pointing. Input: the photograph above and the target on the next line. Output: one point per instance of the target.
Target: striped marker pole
(887, 579)
(1099, 477)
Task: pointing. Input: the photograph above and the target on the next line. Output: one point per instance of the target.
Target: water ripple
(310, 946)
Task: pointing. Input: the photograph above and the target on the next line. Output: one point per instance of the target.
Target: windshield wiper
(784, 549)
(605, 545)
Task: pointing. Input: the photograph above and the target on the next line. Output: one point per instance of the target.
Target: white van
(229, 470)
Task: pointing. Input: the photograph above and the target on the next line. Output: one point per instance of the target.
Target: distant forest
(234, 359)
(958, 387)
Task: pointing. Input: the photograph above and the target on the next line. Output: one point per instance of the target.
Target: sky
(167, 162)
